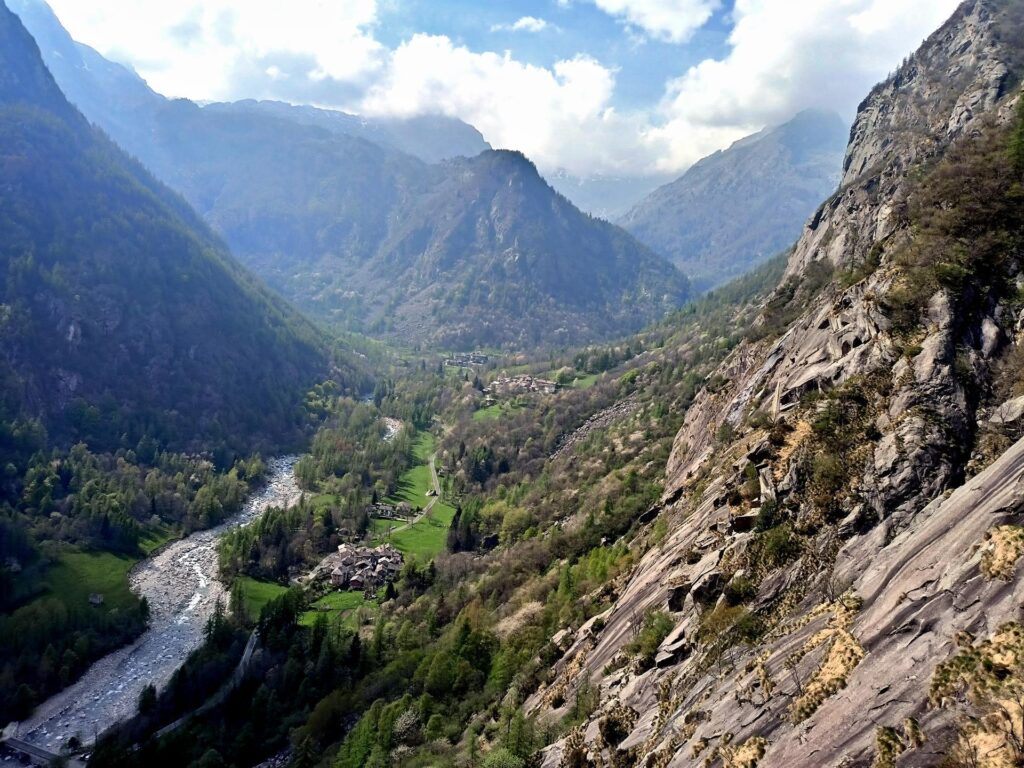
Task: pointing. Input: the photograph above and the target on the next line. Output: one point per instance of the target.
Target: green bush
(502, 758)
(727, 625)
(768, 516)
(775, 547)
(656, 627)
(740, 590)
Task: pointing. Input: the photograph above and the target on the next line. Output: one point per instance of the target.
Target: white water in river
(182, 585)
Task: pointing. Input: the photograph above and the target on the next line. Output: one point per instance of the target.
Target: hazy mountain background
(431, 138)
(607, 197)
(365, 233)
(737, 207)
(122, 315)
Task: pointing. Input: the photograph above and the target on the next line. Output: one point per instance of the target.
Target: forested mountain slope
(140, 368)
(492, 254)
(321, 206)
(123, 316)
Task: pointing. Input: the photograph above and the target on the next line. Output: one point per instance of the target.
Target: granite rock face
(958, 76)
(852, 627)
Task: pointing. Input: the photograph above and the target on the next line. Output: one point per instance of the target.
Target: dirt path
(430, 504)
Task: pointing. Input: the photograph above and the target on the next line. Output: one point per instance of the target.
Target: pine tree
(306, 754)
(1016, 144)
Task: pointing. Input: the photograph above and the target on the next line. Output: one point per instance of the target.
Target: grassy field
(426, 538)
(412, 487)
(423, 448)
(258, 593)
(415, 482)
(380, 527)
(80, 574)
(585, 382)
(157, 537)
(496, 411)
(345, 603)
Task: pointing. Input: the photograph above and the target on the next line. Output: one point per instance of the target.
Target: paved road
(36, 754)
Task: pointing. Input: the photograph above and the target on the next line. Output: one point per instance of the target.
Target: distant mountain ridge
(130, 108)
(609, 197)
(493, 253)
(121, 314)
(739, 206)
(430, 138)
(329, 212)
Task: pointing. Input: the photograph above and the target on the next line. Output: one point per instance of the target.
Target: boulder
(746, 522)
(562, 639)
(673, 654)
(1009, 412)
(991, 337)
(708, 587)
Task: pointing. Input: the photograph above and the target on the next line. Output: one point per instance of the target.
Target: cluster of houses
(383, 511)
(467, 360)
(520, 385)
(363, 568)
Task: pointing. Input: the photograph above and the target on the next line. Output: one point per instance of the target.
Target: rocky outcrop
(905, 122)
(958, 76)
(919, 594)
(841, 338)
(828, 469)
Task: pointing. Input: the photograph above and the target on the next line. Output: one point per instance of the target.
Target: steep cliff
(844, 500)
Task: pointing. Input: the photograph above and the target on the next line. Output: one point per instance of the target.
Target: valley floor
(181, 585)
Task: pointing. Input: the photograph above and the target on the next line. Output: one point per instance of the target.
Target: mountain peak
(769, 182)
(151, 321)
(510, 161)
(959, 74)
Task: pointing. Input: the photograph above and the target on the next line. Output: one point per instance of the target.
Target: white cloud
(671, 20)
(786, 55)
(781, 56)
(523, 24)
(194, 48)
(560, 117)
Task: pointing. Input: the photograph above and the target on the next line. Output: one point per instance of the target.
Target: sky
(595, 87)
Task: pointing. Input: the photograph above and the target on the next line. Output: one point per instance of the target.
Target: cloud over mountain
(563, 106)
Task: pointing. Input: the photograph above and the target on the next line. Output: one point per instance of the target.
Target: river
(182, 585)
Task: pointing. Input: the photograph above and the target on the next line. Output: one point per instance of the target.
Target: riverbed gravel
(182, 584)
